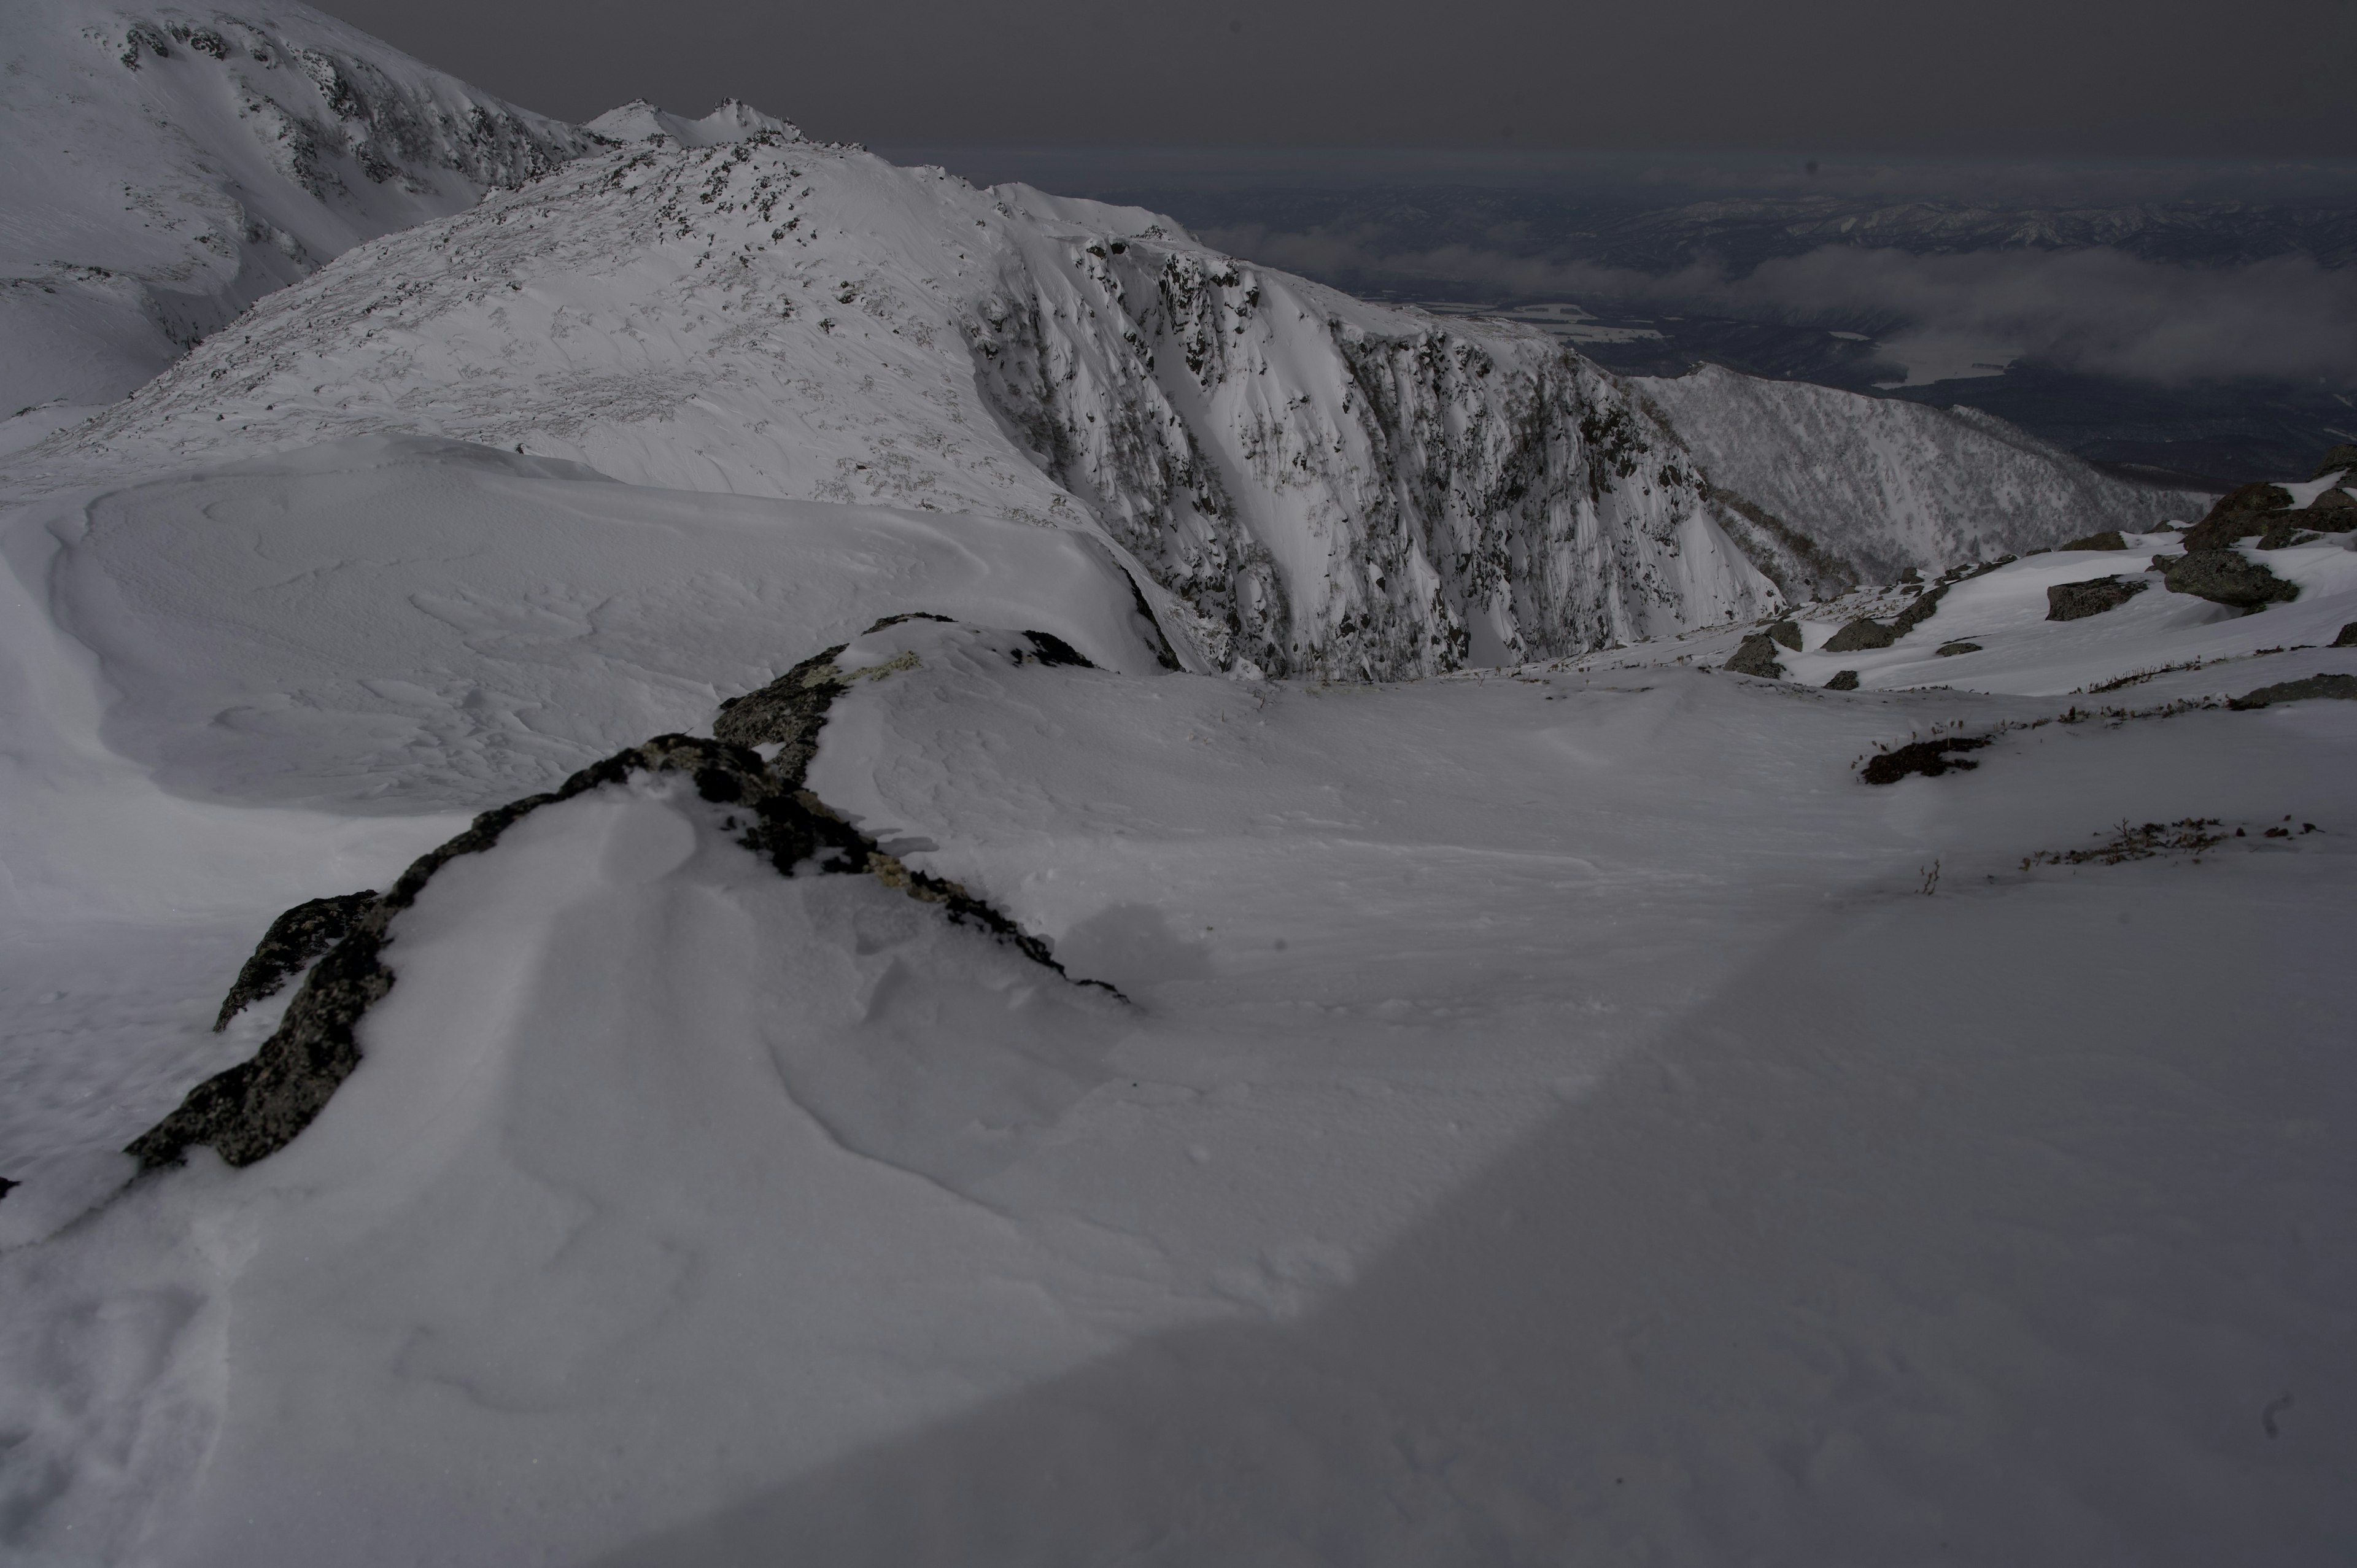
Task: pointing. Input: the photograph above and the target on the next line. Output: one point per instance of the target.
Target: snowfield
(1214, 967)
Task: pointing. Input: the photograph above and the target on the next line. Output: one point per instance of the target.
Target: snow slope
(1879, 485)
(406, 624)
(168, 168)
(1547, 1121)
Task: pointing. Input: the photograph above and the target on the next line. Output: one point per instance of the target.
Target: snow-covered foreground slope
(1879, 485)
(1326, 486)
(1544, 1119)
(167, 167)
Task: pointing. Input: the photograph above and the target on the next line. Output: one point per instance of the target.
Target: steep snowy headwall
(1317, 485)
(1878, 484)
(168, 168)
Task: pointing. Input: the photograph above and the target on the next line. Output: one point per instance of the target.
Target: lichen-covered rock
(1950, 650)
(2109, 539)
(2092, 597)
(294, 939)
(1756, 657)
(1859, 636)
(1843, 680)
(2341, 686)
(2348, 637)
(2226, 577)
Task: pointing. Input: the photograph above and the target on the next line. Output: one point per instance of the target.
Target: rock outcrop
(2092, 597)
(256, 1108)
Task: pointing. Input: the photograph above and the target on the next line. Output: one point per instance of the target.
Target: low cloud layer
(2097, 311)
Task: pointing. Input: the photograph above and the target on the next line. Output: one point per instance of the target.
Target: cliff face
(1348, 490)
(1306, 484)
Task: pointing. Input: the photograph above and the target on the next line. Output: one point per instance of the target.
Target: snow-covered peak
(1315, 484)
(640, 121)
(167, 167)
(1078, 215)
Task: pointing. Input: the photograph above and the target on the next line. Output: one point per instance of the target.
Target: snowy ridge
(167, 166)
(640, 121)
(1879, 485)
(1328, 487)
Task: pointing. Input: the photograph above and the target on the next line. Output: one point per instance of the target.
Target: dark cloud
(2163, 77)
(2097, 310)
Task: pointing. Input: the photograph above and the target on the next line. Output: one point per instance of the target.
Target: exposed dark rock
(787, 712)
(2226, 577)
(1928, 757)
(2340, 458)
(1950, 650)
(2283, 530)
(6, 1184)
(1787, 633)
(1164, 654)
(2108, 540)
(1756, 657)
(2238, 515)
(2092, 597)
(1053, 650)
(1843, 680)
(257, 1107)
(1859, 634)
(2345, 686)
(2338, 500)
(2348, 637)
(294, 939)
(1920, 610)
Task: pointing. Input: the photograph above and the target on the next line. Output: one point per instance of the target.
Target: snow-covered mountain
(1875, 486)
(167, 166)
(1324, 486)
(1312, 484)
(812, 1001)
(1303, 482)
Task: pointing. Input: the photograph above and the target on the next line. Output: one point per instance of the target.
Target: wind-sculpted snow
(1326, 487)
(400, 626)
(167, 167)
(1879, 485)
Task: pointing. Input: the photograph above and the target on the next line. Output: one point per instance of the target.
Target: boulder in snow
(1756, 657)
(2093, 596)
(1860, 635)
(2224, 578)
(2343, 686)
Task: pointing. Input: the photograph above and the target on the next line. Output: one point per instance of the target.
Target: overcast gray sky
(2263, 78)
